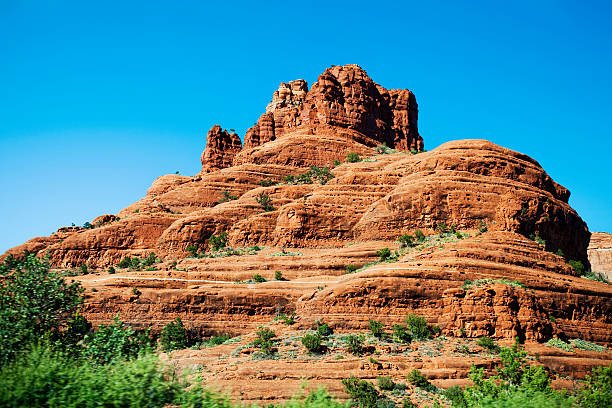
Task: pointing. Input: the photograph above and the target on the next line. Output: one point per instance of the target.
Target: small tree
(376, 328)
(418, 326)
(116, 341)
(401, 334)
(193, 250)
(174, 336)
(353, 158)
(351, 269)
(264, 340)
(323, 329)
(419, 236)
(406, 241)
(385, 383)
(355, 343)
(384, 254)
(258, 278)
(312, 342)
(364, 393)
(217, 242)
(278, 275)
(265, 201)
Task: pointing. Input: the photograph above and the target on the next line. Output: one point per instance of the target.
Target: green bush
(376, 328)
(288, 320)
(34, 302)
(278, 275)
(385, 383)
(267, 183)
(351, 269)
(401, 334)
(383, 149)
(406, 241)
(216, 340)
(116, 341)
(488, 343)
(597, 389)
(125, 262)
(312, 342)
(418, 327)
(258, 278)
(560, 344)
(264, 340)
(174, 336)
(111, 270)
(587, 346)
(364, 393)
(441, 228)
(337, 163)
(265, 202)
(384, 254)
(419, 236)
(323, 329)
(218, 242)
(83, 269)
(416, 378)
(355, 343)
(227, 196)
(45, 378)
(353, 158)
(482, 227)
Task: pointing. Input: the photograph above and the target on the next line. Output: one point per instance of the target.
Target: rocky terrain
(300, 210)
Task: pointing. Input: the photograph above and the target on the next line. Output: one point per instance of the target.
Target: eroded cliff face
(600, 253)
(496, 198)
(343, 97)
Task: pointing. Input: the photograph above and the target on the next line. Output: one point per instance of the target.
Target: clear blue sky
(97, 100)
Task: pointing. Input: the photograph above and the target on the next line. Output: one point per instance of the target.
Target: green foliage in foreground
(34, 303)
(518, 384)
(45, 378)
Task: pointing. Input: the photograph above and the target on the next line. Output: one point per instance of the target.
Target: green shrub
(116, 341)
(364, 393)
(355, 343)
(125, 262)
(34, 302)
(288, 320)
(482, 227)
(42, 377)
(406, 241)
(384, 254)
(406, 403)
(267, 183)
(455, 395)
(174, 336)
(441, 228)
(351, 269)
(337, 163)
(419, 236)
(218, 242)
(418, 326)
(401, 334)
(278, 275)
(376, 328)
(587, 345)
(560, 344)
(265, 201)
(353, 158)
(538, 240)
(597, 389)
(312, 342)
(324, 330)
(264, 340)
(419, 380)
(488, 343)
(385, 383)
(258, 278)
(111, 270)
(227, 196)
(216, 340)
(83, 269)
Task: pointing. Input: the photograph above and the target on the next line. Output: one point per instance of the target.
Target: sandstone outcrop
(221, 147)
(343, 97)
(511, 217)
(600, 253)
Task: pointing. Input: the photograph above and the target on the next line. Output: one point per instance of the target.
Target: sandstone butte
(496, 198)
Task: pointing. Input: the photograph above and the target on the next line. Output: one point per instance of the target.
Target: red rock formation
(600, 253)
(343, 97)
(221, 147)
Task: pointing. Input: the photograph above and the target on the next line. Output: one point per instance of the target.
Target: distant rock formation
(221, 147)
(600, 253)
(343, 97)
